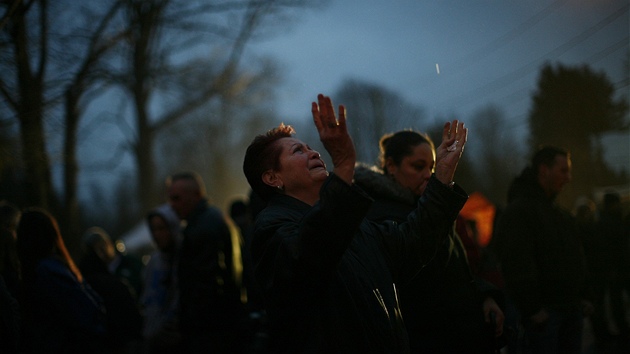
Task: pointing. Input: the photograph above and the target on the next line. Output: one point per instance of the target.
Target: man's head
(185, 190)
(553, 169)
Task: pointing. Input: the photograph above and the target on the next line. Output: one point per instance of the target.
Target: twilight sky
(487, 51)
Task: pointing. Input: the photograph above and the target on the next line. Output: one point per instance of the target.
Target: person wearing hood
(445, 308)
(542, 258)
(160, 296)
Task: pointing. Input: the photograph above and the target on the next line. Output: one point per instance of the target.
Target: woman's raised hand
(333, 133)
(454, 137)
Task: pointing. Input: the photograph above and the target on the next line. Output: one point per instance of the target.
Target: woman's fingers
(324, 113)
(342, 116)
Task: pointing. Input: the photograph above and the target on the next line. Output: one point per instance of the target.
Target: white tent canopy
(138, 240)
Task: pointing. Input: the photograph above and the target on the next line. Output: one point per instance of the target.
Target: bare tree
(375, 111)
(498, 157)
(212, 141)
(168, 73)
(573, 107)
(89, 71)
(11, 187)
(54, 52)
(24, 56)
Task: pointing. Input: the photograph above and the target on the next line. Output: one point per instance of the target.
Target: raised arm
(333, 133)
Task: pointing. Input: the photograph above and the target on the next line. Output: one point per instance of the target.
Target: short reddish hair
(263, 154)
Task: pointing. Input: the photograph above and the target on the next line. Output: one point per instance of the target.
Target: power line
(493, 46)
(519, 73)
(465, 62)
(519, 95)
(623, 43)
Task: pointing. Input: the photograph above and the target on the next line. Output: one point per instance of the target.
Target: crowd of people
(358, 258)
(188, 298)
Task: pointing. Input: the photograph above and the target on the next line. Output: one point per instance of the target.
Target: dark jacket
(540, 251)
(328, 274)
(124, 320)
(9, 320)
(442, 304)
(208, 291)
(615, 234)
(61, 314)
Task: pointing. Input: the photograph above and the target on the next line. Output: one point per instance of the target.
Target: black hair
(400, 144)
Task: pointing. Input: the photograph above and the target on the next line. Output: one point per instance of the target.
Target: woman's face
(302, 171)
(415, 169)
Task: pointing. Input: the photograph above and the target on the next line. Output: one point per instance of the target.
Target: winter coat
(9, 320)
(329, 275)
(541, 254)
(442, 304)
(61, 314)
(209, 294)
(124, 320)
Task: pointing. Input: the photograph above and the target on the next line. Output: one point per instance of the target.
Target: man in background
(542, 257)
(209, 268)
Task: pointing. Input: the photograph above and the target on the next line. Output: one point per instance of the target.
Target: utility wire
(500, 42)
(465, 62)
(473, 95)
(520, 94)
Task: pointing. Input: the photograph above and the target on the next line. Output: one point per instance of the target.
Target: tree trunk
(30, 112)
(70, 214)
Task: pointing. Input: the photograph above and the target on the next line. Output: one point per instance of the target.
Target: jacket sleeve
(412, 244)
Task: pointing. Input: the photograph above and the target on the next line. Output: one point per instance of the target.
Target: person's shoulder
(51, 265)
(52, 270)
(526, 201)
(204, 211)
(280, 211)
(212, 210)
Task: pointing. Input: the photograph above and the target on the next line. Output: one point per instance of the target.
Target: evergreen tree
(572, 108)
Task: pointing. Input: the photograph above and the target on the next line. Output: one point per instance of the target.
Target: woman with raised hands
(328, 275)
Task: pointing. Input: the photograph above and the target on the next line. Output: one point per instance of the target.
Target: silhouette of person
(160, 299)
(61, 312)
(124, 319)
(9, 307)
(209, 270)
(9, 278)
(612, 228)
(9, 262)
(542, 258)
(255, 326)
(9, 217)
